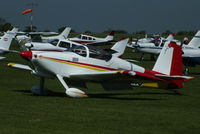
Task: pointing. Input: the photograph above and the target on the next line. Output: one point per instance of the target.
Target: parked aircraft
(150, 45)
(153, 41)
(191, 52)
(37, 36)
(86, 39)
(5, 41)
(65, 44)
(87, 63)
(13, 32)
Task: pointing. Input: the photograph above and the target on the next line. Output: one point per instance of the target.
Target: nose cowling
(26, 54)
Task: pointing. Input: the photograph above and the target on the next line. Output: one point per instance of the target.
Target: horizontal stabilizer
(131, 60)
(175, 77)
(110, 36)
(1, 58)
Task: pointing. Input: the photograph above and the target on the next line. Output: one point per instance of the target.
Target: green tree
(5, 27)
(28, 29)
(60, 30)
(167, 32)
(142, 32)
(87, 31)
(186, 33)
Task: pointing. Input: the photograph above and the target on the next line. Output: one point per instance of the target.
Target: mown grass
(141, 110)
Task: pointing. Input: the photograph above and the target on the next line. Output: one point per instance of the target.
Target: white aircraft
(86, 39)
(62, 45)
(191, 52)
(55, 45)
(87, 63)
(152, 45)
(151, 42)
(194, 43)
(13, 32)
(36, 36)
(6, 40)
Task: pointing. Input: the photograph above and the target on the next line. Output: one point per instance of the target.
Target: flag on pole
(27, 11)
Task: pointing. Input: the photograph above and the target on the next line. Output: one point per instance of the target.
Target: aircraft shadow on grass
(115, 96)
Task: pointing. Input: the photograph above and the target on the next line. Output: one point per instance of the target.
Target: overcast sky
(99, 15)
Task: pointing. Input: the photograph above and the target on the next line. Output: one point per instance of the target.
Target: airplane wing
(99, 43)
(119, 75)
(20, 66)
(13, 51)
(115, 80)
(43, 33)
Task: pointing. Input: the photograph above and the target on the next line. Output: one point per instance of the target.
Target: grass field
(140, 111)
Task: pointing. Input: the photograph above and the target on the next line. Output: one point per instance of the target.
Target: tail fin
(65, 33)
(169, 61)
(170, 37)
(110, 37)
(195, 42)
(120, 47)
(13, 32)
(5, 41)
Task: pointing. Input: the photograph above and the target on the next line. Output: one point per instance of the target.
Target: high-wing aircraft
(86, 39)
(87, 63)
(37, 36)
(150, 45)
(5, 42)
(191, 52)
(151, 42)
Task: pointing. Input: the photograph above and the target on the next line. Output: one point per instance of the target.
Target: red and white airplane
(86, 39)
(87, 63)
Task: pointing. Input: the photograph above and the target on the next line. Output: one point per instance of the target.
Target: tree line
(5, 26)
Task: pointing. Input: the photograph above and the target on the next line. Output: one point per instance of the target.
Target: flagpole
(31, 21)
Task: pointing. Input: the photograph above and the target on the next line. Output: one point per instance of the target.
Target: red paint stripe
(101, 67)
(151, 72)
(148, 76)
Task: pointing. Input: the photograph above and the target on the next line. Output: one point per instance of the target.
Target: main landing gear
(39, 89)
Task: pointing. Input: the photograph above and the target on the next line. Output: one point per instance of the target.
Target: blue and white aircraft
(191, 52)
